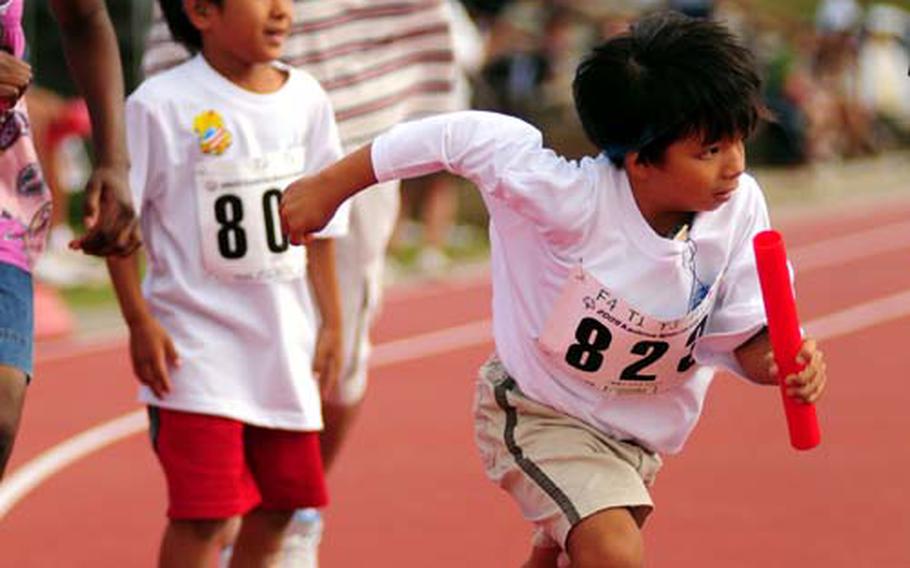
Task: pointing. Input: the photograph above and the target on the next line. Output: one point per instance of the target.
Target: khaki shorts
(558, 469)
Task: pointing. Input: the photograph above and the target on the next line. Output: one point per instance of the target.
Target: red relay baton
(783, 329)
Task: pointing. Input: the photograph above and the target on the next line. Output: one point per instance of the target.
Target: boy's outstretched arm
(329, 355)
(756, 359)
(91, 50)
(151, 348)
(309, 203)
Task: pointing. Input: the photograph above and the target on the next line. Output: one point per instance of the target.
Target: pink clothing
(25, 201)
(12, 38)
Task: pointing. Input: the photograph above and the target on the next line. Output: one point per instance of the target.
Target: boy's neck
(260, 78)
(665, 223)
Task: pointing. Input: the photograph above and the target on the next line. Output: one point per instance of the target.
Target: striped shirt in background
(382, 62)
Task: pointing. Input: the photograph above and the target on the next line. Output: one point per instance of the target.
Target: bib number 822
(594, 338)
(232, 238)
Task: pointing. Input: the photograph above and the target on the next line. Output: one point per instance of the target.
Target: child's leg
(543, 557)
(193, 543)
(587, 492)
(16, 346)
(259, 540)
(610, 538)
(12, 395)
(288, 471)
(209, 483)
(544, 551)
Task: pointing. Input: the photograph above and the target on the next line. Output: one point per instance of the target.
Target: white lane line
(48, 463)
(847, 248)
(433, 343)
(868, 314)
(31, 474)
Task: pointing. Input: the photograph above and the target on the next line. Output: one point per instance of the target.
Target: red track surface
(409, 491)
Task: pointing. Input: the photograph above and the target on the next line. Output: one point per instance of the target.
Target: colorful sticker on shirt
(595, 335)
(13, 125)
(213, 137)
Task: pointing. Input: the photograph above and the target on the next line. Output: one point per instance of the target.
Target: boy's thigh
(287, 467)
(204, 463)
(557, 468)
(16, 319)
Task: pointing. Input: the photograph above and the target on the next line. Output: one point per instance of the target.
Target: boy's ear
(198, 12)
(635, 169)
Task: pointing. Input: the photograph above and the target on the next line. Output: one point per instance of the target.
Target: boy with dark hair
(618, 281)
(226, 341)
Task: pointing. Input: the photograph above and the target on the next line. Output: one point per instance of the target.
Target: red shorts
(218, 467)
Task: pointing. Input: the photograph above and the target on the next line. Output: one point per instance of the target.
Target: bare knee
(216, 531)
(608, 539)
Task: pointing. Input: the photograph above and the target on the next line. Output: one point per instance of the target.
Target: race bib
(596, 336)
(238, 217)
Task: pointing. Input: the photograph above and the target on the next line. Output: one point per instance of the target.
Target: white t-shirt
(209, 162)
(549, 216)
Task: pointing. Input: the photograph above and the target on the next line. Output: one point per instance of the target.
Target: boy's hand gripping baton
(783, 329)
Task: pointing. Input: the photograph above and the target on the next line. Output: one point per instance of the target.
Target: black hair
(182, 29)
(669, 77)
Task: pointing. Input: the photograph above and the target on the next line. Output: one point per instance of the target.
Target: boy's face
(694, 176)
(252, 31)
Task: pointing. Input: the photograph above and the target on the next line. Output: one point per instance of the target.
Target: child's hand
(109, 215)
(327, 359)
(15, 77)
(152, 351)
(809, 384)
(305, 208)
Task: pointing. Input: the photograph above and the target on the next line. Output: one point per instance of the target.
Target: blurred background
(835, 71)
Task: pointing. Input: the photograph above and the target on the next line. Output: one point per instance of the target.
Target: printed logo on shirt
(213, 137)
(29, 181)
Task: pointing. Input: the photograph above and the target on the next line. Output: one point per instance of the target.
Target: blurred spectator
(841, 124)
(436, 203)
(883, 65)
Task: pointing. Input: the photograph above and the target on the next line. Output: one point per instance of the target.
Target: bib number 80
(232, 239)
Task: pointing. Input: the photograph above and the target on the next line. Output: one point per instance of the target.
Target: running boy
(226, 341)
(617, 280)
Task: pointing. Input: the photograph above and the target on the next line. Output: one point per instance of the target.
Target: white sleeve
(740, 312)
(324, 148)
(143, 134)
(502, 155)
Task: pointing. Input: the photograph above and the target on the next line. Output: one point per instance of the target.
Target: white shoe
(300, 548)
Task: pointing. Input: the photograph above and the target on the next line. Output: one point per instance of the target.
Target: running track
(409, 492)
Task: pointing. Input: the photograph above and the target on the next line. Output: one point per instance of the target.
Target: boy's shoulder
(302, 80)
(163, 86)
(749, 190)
